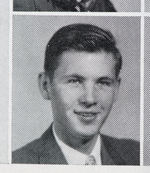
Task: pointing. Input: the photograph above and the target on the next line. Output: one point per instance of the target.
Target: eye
(74, 82)
(107, 83)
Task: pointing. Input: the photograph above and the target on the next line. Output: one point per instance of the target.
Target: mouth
(88, 116)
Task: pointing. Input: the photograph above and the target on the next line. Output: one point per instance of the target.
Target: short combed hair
(80, 37)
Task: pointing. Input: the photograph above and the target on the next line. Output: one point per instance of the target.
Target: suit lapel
(45, 5)
(109, 153)
(105, 156)
(51, 153)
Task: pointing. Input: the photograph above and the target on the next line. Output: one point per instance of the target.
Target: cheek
(68, 97)
(106, 98)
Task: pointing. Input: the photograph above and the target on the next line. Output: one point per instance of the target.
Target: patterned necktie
(83, 5)
(90, 160)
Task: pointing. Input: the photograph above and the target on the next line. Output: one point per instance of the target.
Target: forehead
(86, 63)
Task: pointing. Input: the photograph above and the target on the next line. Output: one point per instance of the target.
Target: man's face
(83, 91)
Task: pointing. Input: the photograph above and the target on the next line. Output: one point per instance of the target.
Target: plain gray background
(127, 5)
(31, 113)
(4, 79)
(147, 5)
(147, 93)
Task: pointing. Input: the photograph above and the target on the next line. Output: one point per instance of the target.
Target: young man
(81, 80)
(64, 5)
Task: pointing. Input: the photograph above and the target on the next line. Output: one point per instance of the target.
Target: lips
(86, 115)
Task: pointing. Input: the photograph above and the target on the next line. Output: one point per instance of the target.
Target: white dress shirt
(74, 157)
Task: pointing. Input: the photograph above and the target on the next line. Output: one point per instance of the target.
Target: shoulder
(27, 154)
(104, 6)
(24, 5)
(127, 149)
(33, 151)
(109, 7)
(33, 5)
(30, 153)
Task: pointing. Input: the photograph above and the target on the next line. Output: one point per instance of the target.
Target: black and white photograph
(78, 5)
(74, 86)
(76, 90)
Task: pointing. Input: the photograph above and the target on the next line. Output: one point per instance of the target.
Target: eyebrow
(83, 78)
(75, 76)
(105, 78)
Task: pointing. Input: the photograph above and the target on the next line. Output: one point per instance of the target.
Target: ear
(117, 89)
(44, 85)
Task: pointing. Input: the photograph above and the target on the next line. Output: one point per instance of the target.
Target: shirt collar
(72, 5)
(75, 157)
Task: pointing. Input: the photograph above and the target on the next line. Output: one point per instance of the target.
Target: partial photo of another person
(77, 5)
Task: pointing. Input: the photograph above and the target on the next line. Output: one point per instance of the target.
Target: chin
(90, 134)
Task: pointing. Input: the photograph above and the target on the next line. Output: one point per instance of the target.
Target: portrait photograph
(77, 5)
(76, 90)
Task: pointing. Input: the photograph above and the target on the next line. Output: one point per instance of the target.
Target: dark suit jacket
(55, 5)
(45, 150)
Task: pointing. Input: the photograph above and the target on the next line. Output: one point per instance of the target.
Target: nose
(88, 97)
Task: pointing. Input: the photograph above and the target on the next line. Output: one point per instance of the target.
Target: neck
(80, 143)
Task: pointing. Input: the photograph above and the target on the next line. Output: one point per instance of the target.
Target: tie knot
(90, 160)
